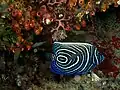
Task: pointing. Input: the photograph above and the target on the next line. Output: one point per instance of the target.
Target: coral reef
(28, 28)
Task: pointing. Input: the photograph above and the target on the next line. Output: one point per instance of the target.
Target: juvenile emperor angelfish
(74, 58)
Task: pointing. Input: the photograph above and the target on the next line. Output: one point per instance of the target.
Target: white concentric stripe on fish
(65, 50)
(92, 50)
(60, 56)
(61, 52)
(75, 63)
(84, 66)
(69, 71)
(87, 58)
(68, 43)
(92, 58)
(61, 65)
(67, 68)
(81, 58)
(96, 59)
(64, 54)
(88, 70)
(86, 53)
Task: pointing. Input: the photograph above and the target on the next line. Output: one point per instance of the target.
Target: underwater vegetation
(28, 28)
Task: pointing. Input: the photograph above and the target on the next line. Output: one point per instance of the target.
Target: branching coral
(63, 18)
(55, 14)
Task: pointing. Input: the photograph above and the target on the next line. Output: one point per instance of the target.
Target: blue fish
(74, 58)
